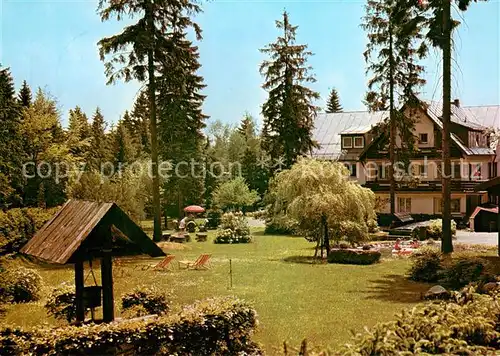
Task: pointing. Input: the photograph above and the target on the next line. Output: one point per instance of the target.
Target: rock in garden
(490, 287)
(437, 292)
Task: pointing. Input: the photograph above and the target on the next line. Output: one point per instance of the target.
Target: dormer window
(347, 142)
(359, 142)
(423, 138)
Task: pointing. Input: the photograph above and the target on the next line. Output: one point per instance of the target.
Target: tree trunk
(326, 237)
(152, 125)
(392, 129)
(446, 242)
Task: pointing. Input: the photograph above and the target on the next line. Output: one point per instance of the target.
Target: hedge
(218, 326)
(467, 325)
(18, 225)
(353, 256)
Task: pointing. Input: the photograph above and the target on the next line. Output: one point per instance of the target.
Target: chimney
(456, 102)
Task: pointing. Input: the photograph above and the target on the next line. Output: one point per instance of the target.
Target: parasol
(194, 209)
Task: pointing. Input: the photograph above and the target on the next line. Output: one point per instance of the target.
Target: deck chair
(203, 262)
(163, 265)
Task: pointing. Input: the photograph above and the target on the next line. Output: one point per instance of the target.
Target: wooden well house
(84, 231)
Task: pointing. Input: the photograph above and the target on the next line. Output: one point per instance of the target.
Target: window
(353, 170)
(438, 206)
(384, 171)
(475, 171)
(359, 142)
(492, 169)
(423, 138)
(422, 170)
(454, 205)
(404, 205)
(347, 142)
(457, 170)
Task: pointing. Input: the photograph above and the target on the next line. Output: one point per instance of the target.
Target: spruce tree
(25, 95)
(181, 118)
(289, 111)
(149, 49)
(247, 126)
(11, 154)
(79, 133)
(333, 104)
(394, 45)
(140, 117)
(440, 31)
(99, 151)
(124, 148)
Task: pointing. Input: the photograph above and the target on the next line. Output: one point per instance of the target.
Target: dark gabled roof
(77, 221)
(328, 127)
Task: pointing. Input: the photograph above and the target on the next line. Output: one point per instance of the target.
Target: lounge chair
(164, 264)
(203, 262)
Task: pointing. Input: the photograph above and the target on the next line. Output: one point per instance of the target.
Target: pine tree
(99, 151)
(394, 45)
(289, 111)
(440, 30)
(124, 148)
(333, 104)
(79, 133)
(150, 48)
(140, 116)
(247, 126)
(11, 140)
(42, 129)
(25, 95)
(181, 118)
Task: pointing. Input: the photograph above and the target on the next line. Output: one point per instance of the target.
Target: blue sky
(52, 44)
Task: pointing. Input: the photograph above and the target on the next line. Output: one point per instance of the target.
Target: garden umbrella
(194, 209)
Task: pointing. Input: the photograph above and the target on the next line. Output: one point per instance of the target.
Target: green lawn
(294, 299)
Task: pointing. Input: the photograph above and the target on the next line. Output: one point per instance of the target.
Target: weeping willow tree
(326, 205)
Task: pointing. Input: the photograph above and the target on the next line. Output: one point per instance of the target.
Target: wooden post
(107, 286)
(79, 284)
(230, 273)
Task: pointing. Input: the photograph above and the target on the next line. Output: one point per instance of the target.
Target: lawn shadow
(395, 288)
(310, 260)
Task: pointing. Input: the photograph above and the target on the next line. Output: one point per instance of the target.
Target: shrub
(227, 236)
(61, 303)
(281, 225)
(234, 229)
(135, 311)
(151, 298)
(213, 217)
(17, 226)
(219, 326)
(468, 325)
(426, 265)
(456, 272)
(354, 256)
(21, 285)
(464, 269)
(435, 229)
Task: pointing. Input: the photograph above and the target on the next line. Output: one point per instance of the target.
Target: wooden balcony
(457, 185)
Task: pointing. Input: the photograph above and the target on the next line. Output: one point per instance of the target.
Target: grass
(294, 297)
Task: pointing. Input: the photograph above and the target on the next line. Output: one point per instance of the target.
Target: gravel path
(482, 238)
